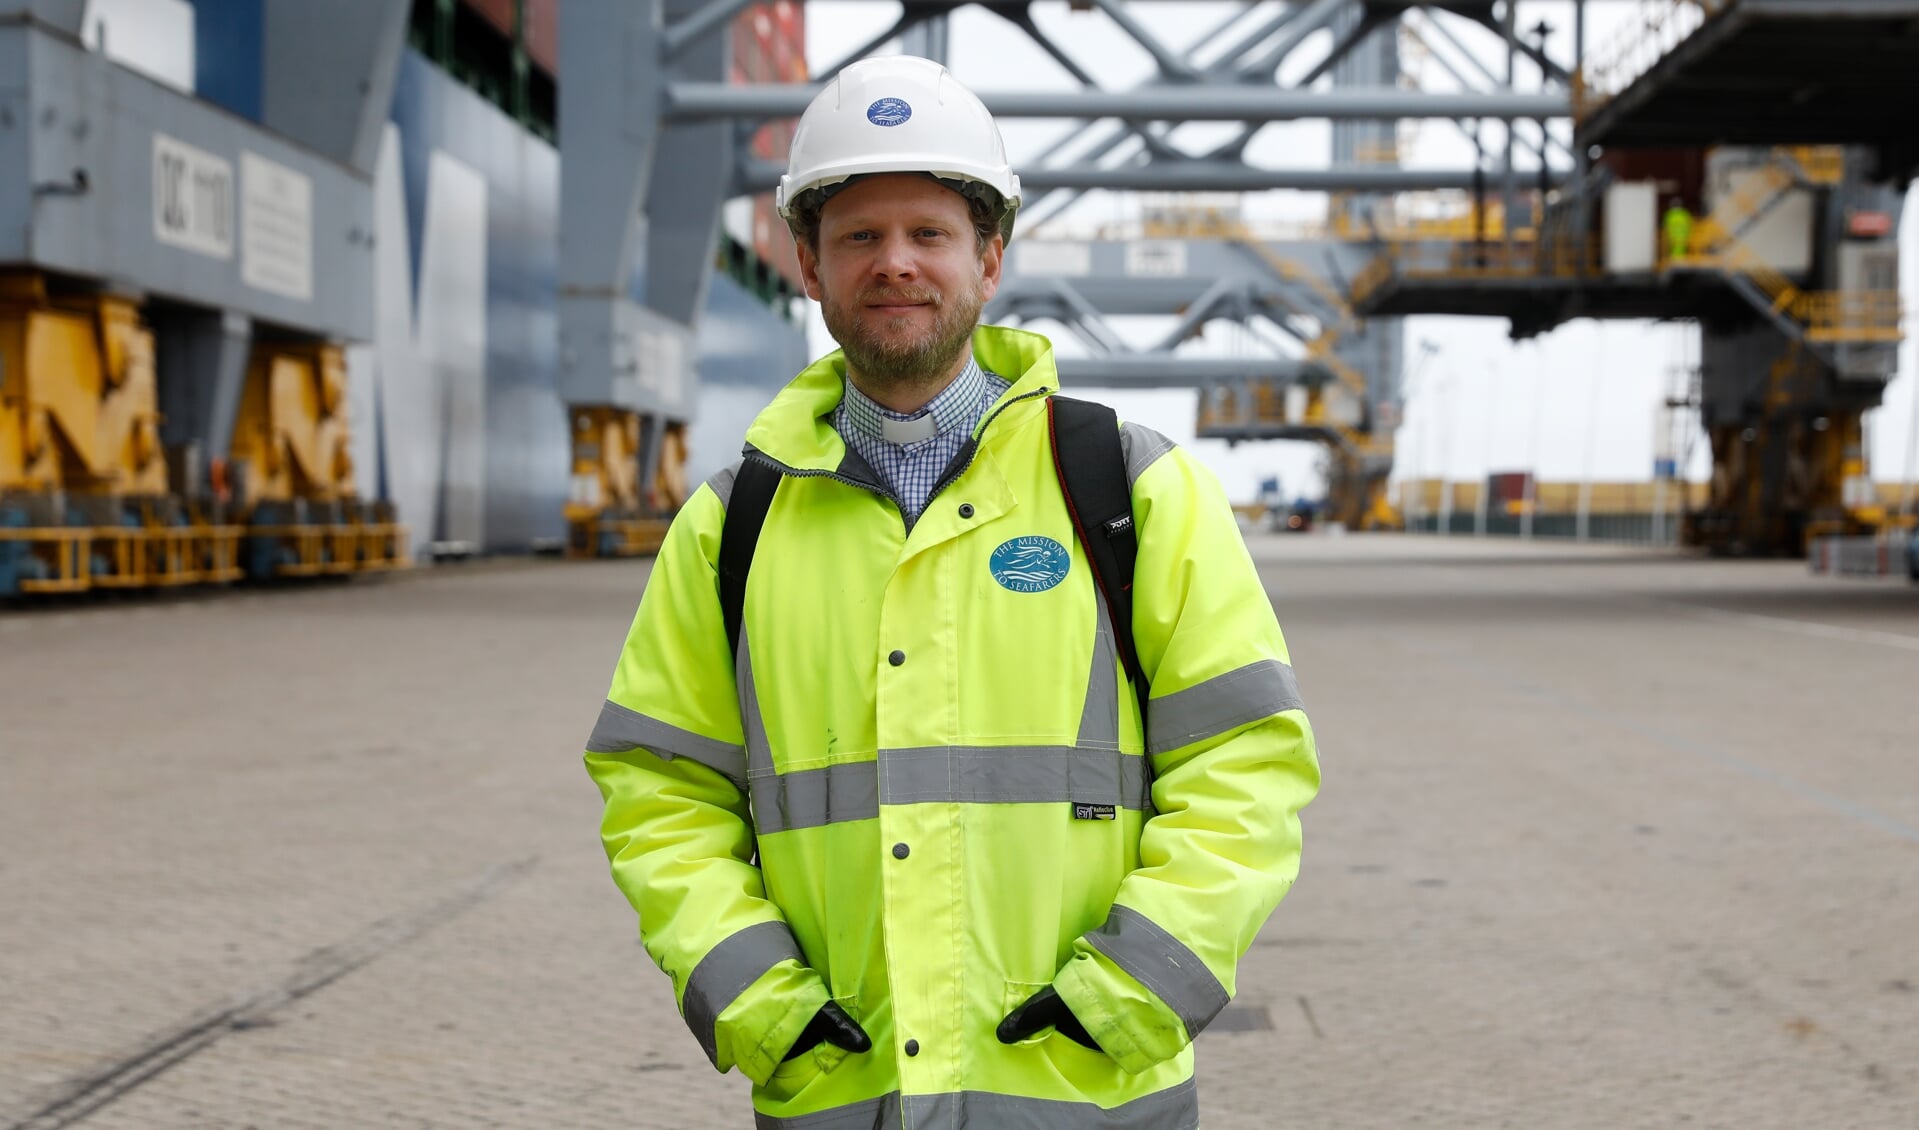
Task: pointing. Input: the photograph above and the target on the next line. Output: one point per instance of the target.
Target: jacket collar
(796, 429)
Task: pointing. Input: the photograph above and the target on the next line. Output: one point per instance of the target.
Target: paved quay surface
(1609, 838)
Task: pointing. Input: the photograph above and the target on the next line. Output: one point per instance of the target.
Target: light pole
(1539, 424)
(1416, 506)
(1485, 477)
(1595, 376)
(1445, 525)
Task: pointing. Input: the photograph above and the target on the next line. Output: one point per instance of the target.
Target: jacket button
(901, 851)
(912, 1047)
(897, 658)
(966, 510)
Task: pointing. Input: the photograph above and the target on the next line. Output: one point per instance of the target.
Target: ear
(809, 269)
(991, 260)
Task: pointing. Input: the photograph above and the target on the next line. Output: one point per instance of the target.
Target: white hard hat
(898, 114)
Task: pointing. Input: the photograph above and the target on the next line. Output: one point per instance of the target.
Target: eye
(859, 236)
(932, 233)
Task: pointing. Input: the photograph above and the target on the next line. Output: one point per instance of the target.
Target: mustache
(899, 296)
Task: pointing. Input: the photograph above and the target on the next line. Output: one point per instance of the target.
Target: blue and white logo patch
(889, 112)
(1030, 564)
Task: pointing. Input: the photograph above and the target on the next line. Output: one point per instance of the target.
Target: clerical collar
(955, 407)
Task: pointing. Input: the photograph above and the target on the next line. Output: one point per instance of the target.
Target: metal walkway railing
(1649, 34)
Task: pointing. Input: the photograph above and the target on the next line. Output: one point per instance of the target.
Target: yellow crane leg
(290, 471)
(84, 498)
(605, 513)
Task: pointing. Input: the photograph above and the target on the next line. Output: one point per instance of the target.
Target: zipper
(972, 445)
(795, 472)
(945, 480)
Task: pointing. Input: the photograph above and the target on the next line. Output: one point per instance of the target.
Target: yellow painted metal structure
(1359, 458)
(1798, 472)
(291, 447)
(84, 499)
(1826, 317)
(291, 431)
(79, 389)
(605, 513)
(1790, 476)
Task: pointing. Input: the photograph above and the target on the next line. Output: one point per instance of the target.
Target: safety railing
(166, 556)
(598, 536)
(1648, 35)
(1819, 164)
(315, 550)
(1853, 317)
(1468, 260)
(79, 558)
(63, 553)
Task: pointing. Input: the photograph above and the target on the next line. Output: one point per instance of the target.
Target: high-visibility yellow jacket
(894, 798)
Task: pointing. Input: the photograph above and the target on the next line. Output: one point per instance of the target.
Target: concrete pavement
(1608, 838)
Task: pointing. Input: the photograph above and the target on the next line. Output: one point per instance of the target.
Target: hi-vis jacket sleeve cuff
(1127, 1020)
(749, 999)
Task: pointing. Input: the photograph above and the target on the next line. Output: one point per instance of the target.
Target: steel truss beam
(1207, 176)
(692, 101)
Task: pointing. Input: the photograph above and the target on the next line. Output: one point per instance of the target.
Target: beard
(886, 360)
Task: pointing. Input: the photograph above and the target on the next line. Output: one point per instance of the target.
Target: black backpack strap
(1092, 472)
(753, 487)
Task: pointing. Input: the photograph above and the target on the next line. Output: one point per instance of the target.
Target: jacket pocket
(795, 1075)
(1018, 993)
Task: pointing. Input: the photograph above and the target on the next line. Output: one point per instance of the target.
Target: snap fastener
(966, 510)
(901, 851)
(912, 1047)
(897, 658)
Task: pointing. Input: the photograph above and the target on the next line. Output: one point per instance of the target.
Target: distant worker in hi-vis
(1678, 222)
(954, 757)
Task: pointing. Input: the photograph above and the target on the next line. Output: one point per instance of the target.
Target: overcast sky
(1577, 403)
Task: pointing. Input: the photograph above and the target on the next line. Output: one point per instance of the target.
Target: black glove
(1041, 1011)
(830, 1025)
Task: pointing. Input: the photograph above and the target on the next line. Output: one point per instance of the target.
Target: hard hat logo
(889, 112)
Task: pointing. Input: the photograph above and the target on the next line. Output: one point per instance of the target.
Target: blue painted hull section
(743, 345)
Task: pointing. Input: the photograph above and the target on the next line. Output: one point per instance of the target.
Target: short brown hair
(985, 209)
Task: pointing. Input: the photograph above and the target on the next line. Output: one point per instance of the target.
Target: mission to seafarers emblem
(889, 112)
(1030, 564)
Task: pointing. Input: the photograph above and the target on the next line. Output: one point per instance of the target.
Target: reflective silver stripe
(726, 971)
(1143, 447)
(1163, 964)
(1099, 722)
(1020, 774)
(882, 1113)
(1175, 1108)
(620, 729)
(722, 482)
(811, 798)
(1221, 703)
(759, 751)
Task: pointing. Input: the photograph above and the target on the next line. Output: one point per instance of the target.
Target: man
(1678, 222)
(906, 850)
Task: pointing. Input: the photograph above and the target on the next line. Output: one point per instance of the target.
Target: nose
(896, 262)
